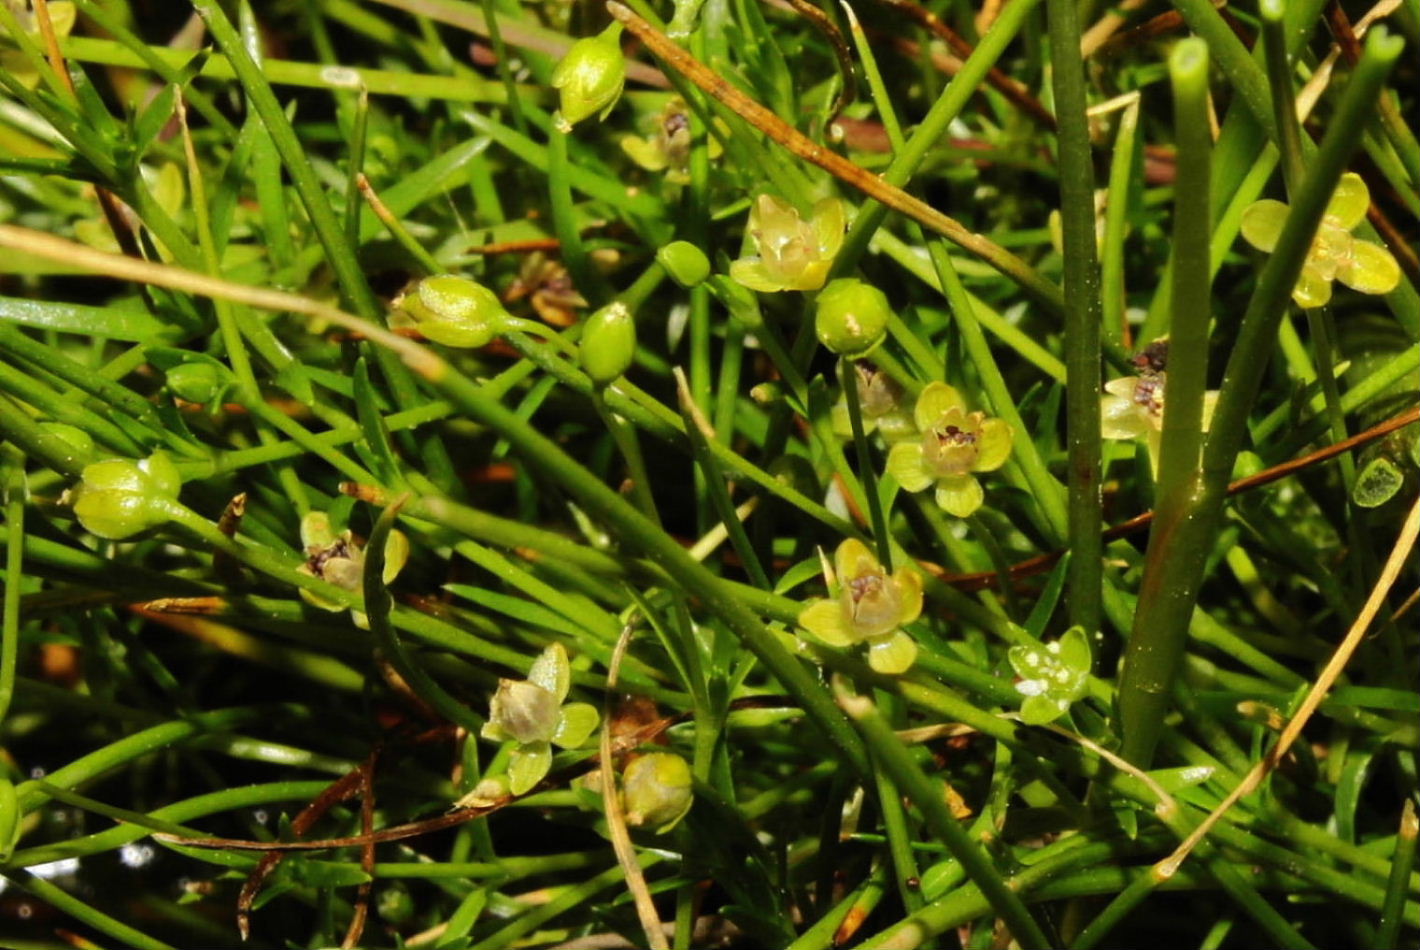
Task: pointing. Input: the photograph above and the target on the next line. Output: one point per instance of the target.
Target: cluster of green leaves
(257, 545)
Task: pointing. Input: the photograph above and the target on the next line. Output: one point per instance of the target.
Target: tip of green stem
(1189, 59)
(1272, 10)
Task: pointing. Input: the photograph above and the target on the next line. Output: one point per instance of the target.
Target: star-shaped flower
(1335, 254)
(530, 713)
(955, 444)
(1134, 405)
(871, 606)
(340, 559)
(794, 254)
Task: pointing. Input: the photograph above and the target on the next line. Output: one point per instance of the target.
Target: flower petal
(1371, 270)
(577, 723)
(1075, 653)
(1262, 223)
(552, 672)
(316, 531)
(645, 153)
(892, 654)
(750, 272)
(993, 445)
(1123, 387)
(959, 495)
(828, 226)
(824, 619)
(1349, 201)
(527, 765)
(852, 559)
(812, 276)
(904, 463)
(1041, 709)
(1312, 290)
(937, 400)
(1120, 418)
(396, 556)
(909, 592)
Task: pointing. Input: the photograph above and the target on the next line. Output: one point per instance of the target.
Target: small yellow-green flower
(794, 254)
(1052, 676)
(955, 445)
(1335, 254)
(667, 148)
(1133, 406)
(340, 560)
(530, 713)
(871, 606)
(880, 399)
(657, 791)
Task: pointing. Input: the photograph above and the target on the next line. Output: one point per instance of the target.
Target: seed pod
(198, 382)
(686, 263)
(657, 790)
(590, 77)
(118, 498)
(455, 311)
(608, 343)
(852, 317)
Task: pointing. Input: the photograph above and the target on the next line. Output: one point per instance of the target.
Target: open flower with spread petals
(1335, 254)
(340, 560)
(955, 445)
(794, 254)
(871, 607)
(1052, 676)
(530, 713)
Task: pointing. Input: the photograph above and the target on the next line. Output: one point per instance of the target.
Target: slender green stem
(62, 900)
(867, 470)
(13, 472)
(897, 761)
(1122, 171)
(1284, 99)
(1401, 861)
(1169, 592)
(1083, 315)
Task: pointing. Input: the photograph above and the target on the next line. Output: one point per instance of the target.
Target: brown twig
(1015, 91)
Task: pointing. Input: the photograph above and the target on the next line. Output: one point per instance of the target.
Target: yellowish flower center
(951, 449)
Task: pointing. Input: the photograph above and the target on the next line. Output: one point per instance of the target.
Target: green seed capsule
(118, 498)
(608, 343)
(686, 263)
(80, 443)
(852, 317)
(590, 77)
(656, 790)
(197, 382)
(456, 311)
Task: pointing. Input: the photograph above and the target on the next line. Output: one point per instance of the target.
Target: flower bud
(686, 263)
(455, 311)
(608, 343)
(656, 790)
(524, 711)
(118, 498)
(852, 317)
(590, 77)
(197, 382)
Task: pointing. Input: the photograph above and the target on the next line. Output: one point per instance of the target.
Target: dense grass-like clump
(495, 474)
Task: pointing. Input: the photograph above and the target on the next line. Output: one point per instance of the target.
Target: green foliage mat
(482, 474)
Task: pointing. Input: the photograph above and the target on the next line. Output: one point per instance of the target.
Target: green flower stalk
(871, 606)
(851, 317)
(590, 78)
(955, 445)
(657, 791)
(451, 310)
(1052, 676)
(340, 560)
(119, 498)
(1335, 254)
(794, 254)
(530, 713)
